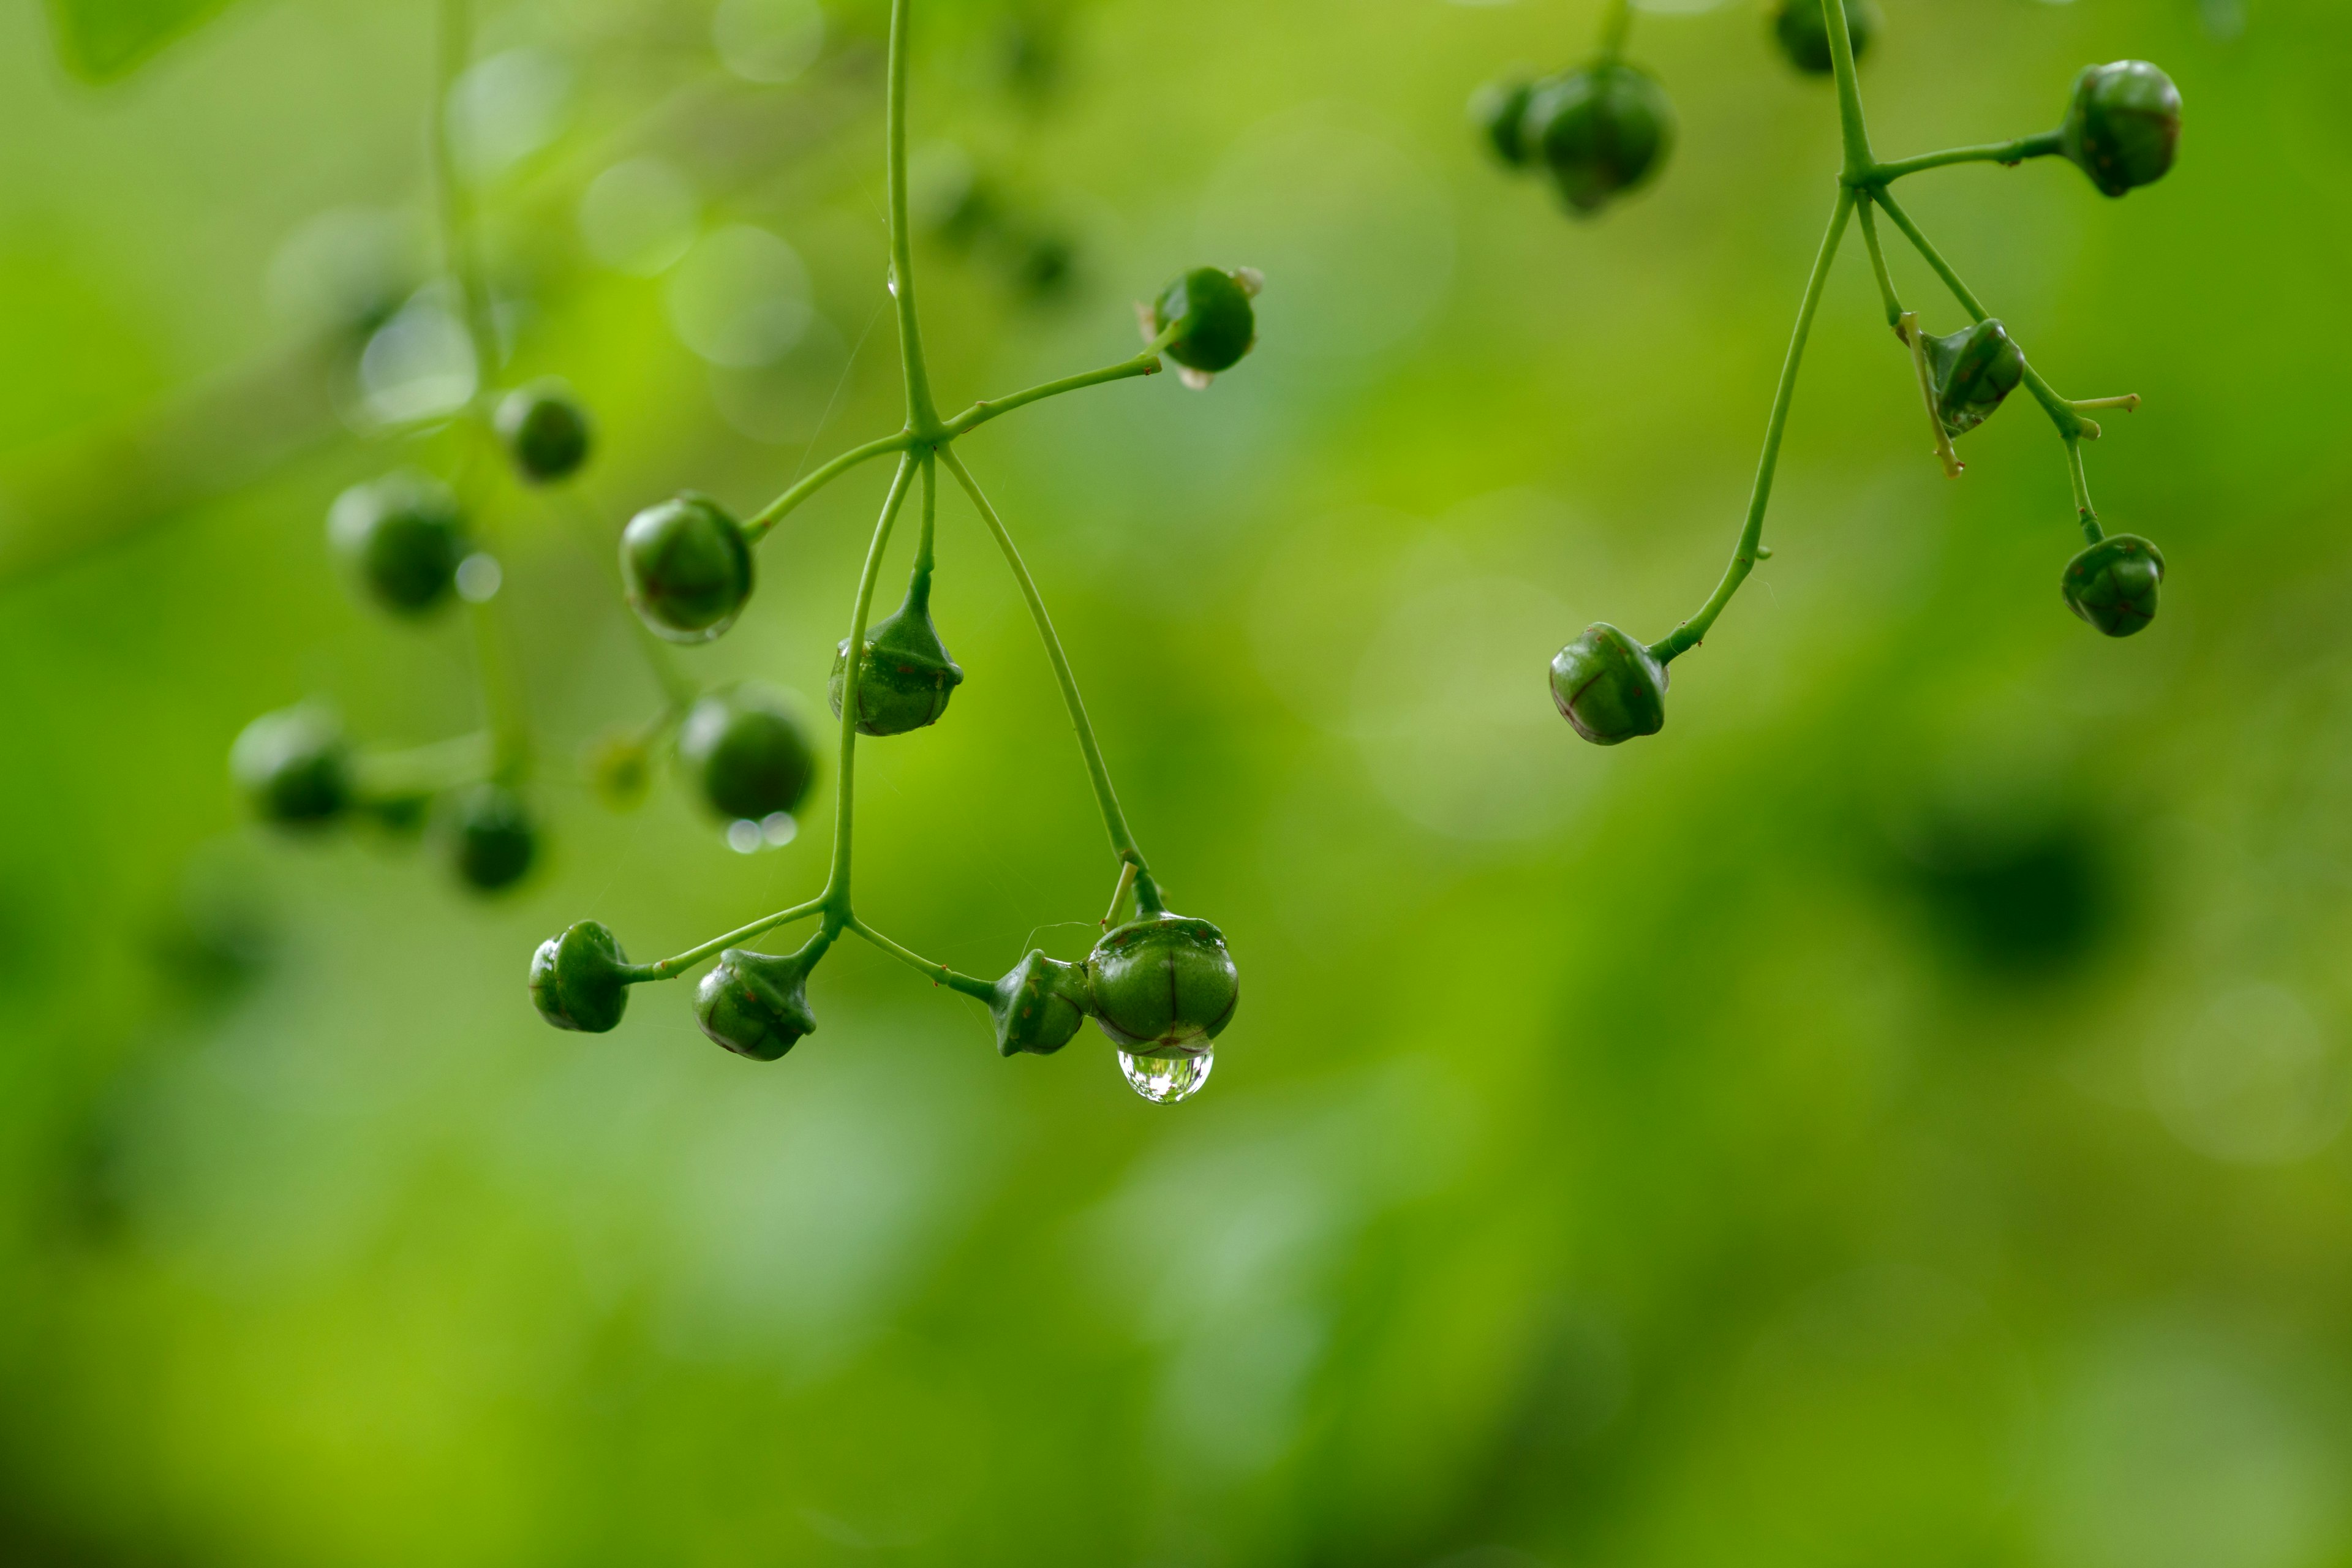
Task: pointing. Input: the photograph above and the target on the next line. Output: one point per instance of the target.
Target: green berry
(2122, 125)
(403, 535)
(1214, 321)
(1039, 1004)
(746, 754)
(294, 767)
(1801, 29)
(686, 568)
(491, 837)
(2113, 584)
(545, 431)
(1499, 110)
(1163, 985)
(755, 1004)
(906, 677)
(1602, 131)
(1609, 685)
(1973, 370)
(579, 980)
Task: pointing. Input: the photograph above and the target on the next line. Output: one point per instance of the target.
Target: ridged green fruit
(1163, 985)
(1215, 322)
(403, 536)
(906, 677)
(1039, 1004)
(756, 1003)
(686, 568)
(2122, 125)
(1973, 370)
(2113, 584)
(746, 754)
(1602, 131)
(579, 979)
(1609, 687)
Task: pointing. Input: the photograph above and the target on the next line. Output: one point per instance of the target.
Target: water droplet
(478, 578)
(743, 837)
(1164, 1080)
(890, 280)
(777, 827)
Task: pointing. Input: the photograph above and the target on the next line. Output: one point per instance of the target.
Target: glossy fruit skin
(745, 752)
(2113, 584)
(1602, 131)
(1163, 985)
(579, 979)
(492, 843)
(755, 1004)
(686, 568)
(1499, 110)
(294, 767)
(1216, 324)
(545, 431)
(403, 535)
(1609, 685)
(1801, 30)
(1973, 370)
(1039, 1004)
(905, 679)
(2122, 125)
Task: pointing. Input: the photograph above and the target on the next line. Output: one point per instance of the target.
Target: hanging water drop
(1164, 1080)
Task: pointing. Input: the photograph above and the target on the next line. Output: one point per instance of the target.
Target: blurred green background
(1895, 1115)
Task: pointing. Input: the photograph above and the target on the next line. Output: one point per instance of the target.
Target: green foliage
(102, 40)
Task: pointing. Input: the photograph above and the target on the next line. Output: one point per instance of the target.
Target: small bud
(1499, 110)
(579, 980)
(491, 841)
(1973, 369)
(403, 535)
(1039, 1004)
(686, 568)
(1215, 322)
(1163, 985)
(1801, 30)
(905, 679)
(745, 752)
(545, 431)
(2122, 125)
(1609, 685)
(294, 767)
(755, 1004)
(1602, 130)
(2113, 584)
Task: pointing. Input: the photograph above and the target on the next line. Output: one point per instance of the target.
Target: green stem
(921, 417)
(775, 512)
(1147, 891)
(940, 973)
(671, 967)
(424, 770)
(2084, 512)
(460, 255)
(978, 413)
(1616, 24)
(1743, 558)
(1852, 134)
(2071, 425)
(1886, 294)
(2041, 145)
(836, 898)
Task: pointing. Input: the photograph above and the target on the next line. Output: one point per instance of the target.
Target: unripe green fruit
(1973, 370)
(1215, 322)
(2113, 584)
(1801, 30)
(755, 1004)
(1602, 131)
(403, 535)
(545, 431)
(294, 767)
(491, 837)
(579, 980)
(746, 754)
(1163, 985)
(1039, 1004)
(905, 679)
(1609, 685)
(686, 568)
(1499, 110)
(2122, 125)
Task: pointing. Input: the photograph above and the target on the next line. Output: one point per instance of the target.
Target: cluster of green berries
(1161, 986)
(1600, 131)
(406, 546)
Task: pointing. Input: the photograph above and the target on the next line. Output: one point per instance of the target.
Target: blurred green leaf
(101, 40)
